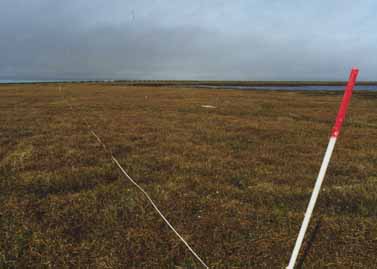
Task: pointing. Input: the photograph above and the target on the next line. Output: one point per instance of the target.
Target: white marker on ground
(208, 106)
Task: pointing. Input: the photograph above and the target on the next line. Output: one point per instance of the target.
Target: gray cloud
(158, 40)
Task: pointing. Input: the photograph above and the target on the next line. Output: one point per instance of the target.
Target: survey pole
(334, 135)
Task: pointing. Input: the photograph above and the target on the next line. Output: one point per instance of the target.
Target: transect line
(137, 185)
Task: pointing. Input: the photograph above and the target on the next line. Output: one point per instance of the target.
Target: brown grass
(234, 180)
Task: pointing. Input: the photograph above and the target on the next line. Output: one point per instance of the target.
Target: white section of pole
(312, 202)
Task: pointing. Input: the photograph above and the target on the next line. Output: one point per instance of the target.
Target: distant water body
(230, 87)
(290, 88)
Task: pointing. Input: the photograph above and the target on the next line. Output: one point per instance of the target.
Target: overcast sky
(158, 39)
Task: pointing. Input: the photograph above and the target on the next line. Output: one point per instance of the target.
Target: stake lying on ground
(334, 134)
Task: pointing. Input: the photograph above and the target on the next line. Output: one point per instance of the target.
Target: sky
(194, 40)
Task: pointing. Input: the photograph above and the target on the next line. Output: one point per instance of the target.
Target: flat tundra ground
(234, 179)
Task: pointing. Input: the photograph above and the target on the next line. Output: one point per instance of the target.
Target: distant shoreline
(227, 83)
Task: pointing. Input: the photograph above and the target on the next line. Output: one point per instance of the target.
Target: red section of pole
(345, 101)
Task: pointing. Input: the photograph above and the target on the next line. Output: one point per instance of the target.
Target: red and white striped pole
(334, 135)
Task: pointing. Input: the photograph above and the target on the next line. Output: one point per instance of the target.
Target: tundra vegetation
(234, 179)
